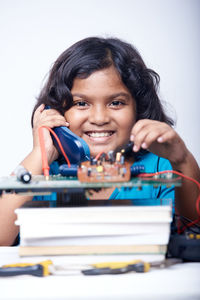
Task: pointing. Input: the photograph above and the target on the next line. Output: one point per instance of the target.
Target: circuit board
(104, 172)
(39, 185)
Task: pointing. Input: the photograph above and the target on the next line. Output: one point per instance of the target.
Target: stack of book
(105, 230)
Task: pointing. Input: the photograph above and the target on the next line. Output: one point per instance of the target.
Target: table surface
(181, 281)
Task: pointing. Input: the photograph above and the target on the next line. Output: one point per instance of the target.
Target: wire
(60, 146)
(188, 178)
(99, 155)
(45, 166)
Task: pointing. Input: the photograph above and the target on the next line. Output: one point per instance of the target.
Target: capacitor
(93, 161)
(118, 156)
(65, 170)
(111, 156)
(122, 160)
(99, 169)
(124, 172)
(135, 170)
(89, 171)
(23, 174)
(103, 157)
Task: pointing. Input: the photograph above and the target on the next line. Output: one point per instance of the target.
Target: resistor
(111, 156)
(118, 156)
(122, 160)
(89, 171)
(23, 174)
(93, 161)
(103, 157)
(135, 170)
(123, 172)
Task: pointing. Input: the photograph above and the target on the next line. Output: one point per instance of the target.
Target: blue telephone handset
(76, 148)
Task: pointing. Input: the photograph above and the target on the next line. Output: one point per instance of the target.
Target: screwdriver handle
(139, 267)
(34, 270)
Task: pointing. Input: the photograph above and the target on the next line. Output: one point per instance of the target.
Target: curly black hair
(96, 53)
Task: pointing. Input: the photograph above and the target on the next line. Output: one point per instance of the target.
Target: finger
(146, 133)
(167, 136)
(38, 111)
(55, 115)
(139, 140)
(150, 138)
(41, 107)
(141, 124)
(136, 131)
(53, 121)
(50, 117)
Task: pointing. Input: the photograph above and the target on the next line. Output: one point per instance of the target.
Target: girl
(102, 90)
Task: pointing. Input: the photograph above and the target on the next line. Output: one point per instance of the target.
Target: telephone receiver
(76, 149)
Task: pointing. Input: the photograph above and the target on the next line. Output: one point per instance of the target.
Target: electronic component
(105, 168)
(135, 170)
(67, 171)
(22, 174)
(105, 172)
(128, 149)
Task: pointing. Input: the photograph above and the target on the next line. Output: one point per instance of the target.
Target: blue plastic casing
(72, 171)
(76, 149)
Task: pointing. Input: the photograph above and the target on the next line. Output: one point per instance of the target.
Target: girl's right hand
(51, 118)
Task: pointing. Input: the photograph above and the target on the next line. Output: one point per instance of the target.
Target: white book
(35, 230)
(136, 239)
(102, 214)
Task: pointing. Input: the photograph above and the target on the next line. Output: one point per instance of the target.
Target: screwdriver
(47, 267)
(137, 266)
(118, 268)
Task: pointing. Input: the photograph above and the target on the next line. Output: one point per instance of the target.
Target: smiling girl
(102, 90)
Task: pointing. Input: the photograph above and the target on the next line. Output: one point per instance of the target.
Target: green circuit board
(57, 183)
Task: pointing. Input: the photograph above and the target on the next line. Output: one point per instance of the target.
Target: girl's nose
(99, 115)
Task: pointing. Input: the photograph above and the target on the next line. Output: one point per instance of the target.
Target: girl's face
(103, 112)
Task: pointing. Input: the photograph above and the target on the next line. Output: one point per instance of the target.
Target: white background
(33, 33)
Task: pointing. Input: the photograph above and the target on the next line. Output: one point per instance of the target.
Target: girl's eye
(80, 103)
(116, 103)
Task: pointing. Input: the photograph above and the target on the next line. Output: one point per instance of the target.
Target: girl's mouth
(99, 134)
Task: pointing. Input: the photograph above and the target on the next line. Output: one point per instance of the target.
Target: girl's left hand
(160, 139)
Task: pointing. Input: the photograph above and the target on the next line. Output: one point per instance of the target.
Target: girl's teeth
(99, 134)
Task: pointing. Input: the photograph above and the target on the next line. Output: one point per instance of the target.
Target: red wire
(188, 178)
(45, 166)
(99, 154)
(189, 225)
